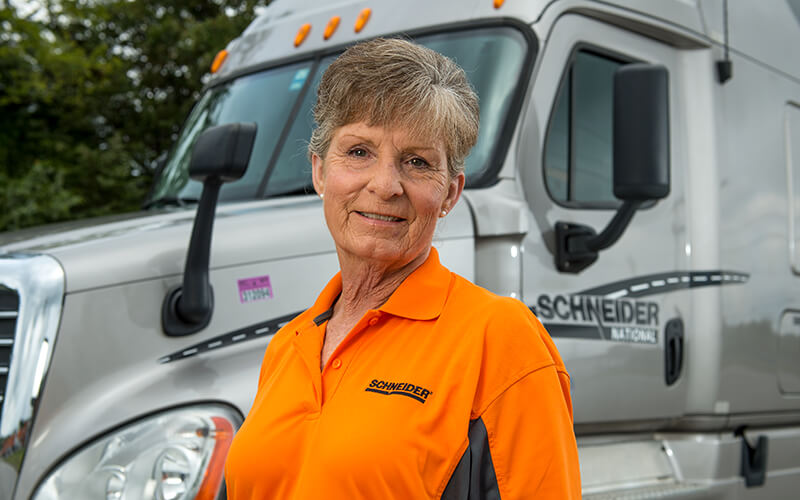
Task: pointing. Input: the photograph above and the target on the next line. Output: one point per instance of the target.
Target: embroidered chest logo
(402, 388)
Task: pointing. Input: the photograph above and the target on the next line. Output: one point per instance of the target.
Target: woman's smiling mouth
(387, 218)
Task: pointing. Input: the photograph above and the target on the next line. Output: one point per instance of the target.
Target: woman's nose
(386, 181)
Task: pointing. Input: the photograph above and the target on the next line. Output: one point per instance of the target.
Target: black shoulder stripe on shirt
(474, 476)
(322, 318)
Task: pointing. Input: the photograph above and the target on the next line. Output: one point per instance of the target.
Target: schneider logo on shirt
(402, 388)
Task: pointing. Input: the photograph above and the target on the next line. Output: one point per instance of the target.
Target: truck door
(618, 323)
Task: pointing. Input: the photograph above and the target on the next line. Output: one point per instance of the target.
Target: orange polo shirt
(445, 391)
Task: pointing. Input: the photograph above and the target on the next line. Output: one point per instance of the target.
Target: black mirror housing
(223, 152)
(641, 132)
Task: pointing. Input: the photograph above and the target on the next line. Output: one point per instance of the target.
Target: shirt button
(373, 321)
(337, 363)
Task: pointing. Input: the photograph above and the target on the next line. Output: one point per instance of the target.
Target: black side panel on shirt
(474, 477)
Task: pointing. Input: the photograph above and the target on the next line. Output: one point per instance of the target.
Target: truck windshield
(280, 101)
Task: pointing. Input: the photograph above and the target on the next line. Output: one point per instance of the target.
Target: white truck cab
(676, 308)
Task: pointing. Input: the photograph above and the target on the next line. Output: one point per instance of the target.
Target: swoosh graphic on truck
(651, 284)
(612, 311)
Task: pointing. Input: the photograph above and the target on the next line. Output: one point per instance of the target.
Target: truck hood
(102, 252)
(96, 253)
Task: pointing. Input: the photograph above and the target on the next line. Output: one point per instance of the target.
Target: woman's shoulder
(512, 341)
(479, 302)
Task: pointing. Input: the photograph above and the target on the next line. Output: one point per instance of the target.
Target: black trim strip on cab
(251, 332)
(647, 335)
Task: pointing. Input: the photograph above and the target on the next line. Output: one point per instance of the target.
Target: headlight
(175, 455)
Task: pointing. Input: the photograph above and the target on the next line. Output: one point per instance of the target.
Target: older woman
(403, 380)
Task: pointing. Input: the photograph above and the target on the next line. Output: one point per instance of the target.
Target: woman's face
(383, 190)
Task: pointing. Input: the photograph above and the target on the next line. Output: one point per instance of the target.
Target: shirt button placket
(374, 319)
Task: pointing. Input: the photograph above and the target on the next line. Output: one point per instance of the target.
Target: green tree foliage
(92, 92)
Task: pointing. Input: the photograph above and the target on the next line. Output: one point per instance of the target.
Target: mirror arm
(188, 307)
(197, 301)
(615, 228)
(577, 245)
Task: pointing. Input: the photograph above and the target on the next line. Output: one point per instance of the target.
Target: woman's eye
(418, 162)
(358, 152)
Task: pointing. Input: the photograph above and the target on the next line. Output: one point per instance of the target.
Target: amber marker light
(223, 437)
(330, 29)
(302, 33)
(363, 17)
(498, 3)
(218, 60)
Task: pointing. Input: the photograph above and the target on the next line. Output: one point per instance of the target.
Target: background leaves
(92, 92)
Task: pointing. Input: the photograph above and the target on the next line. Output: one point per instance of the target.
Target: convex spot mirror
(641, 162)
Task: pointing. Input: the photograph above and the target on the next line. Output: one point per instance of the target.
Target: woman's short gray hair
(393, 82)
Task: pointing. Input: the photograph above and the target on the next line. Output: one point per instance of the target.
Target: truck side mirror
(220, 155)
(641, 162)
(641, 133)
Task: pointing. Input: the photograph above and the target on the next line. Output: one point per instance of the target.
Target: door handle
(673, 350)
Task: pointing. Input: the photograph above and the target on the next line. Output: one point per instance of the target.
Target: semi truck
(636, 183)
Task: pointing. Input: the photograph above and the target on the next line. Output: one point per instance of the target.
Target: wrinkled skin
(383, 191)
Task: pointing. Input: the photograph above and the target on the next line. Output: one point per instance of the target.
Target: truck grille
(31, 297)
(9, 308)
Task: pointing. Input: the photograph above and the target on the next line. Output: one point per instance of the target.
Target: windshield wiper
(170, 201)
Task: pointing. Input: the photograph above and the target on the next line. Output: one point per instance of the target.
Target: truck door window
(578, 147)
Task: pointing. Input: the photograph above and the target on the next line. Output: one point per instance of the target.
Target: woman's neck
(368, 285)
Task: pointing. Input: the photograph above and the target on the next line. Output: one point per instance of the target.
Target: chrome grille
(31, 297)
(9, 308)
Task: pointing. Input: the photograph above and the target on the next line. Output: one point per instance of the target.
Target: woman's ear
(454, 189)
(317, 175)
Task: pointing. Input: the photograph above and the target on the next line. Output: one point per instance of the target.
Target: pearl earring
(321, 195)
(444, 212)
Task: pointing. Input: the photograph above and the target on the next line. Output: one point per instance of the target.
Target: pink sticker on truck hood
(252, 289)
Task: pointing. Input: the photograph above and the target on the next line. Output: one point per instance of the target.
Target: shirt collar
(423, 293)
(421, 296)
(322, 309)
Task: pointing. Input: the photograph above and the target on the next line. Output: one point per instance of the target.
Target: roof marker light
(498, 3)
(302, 33)
(331, 27)
(219, 59)
(363, 17)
